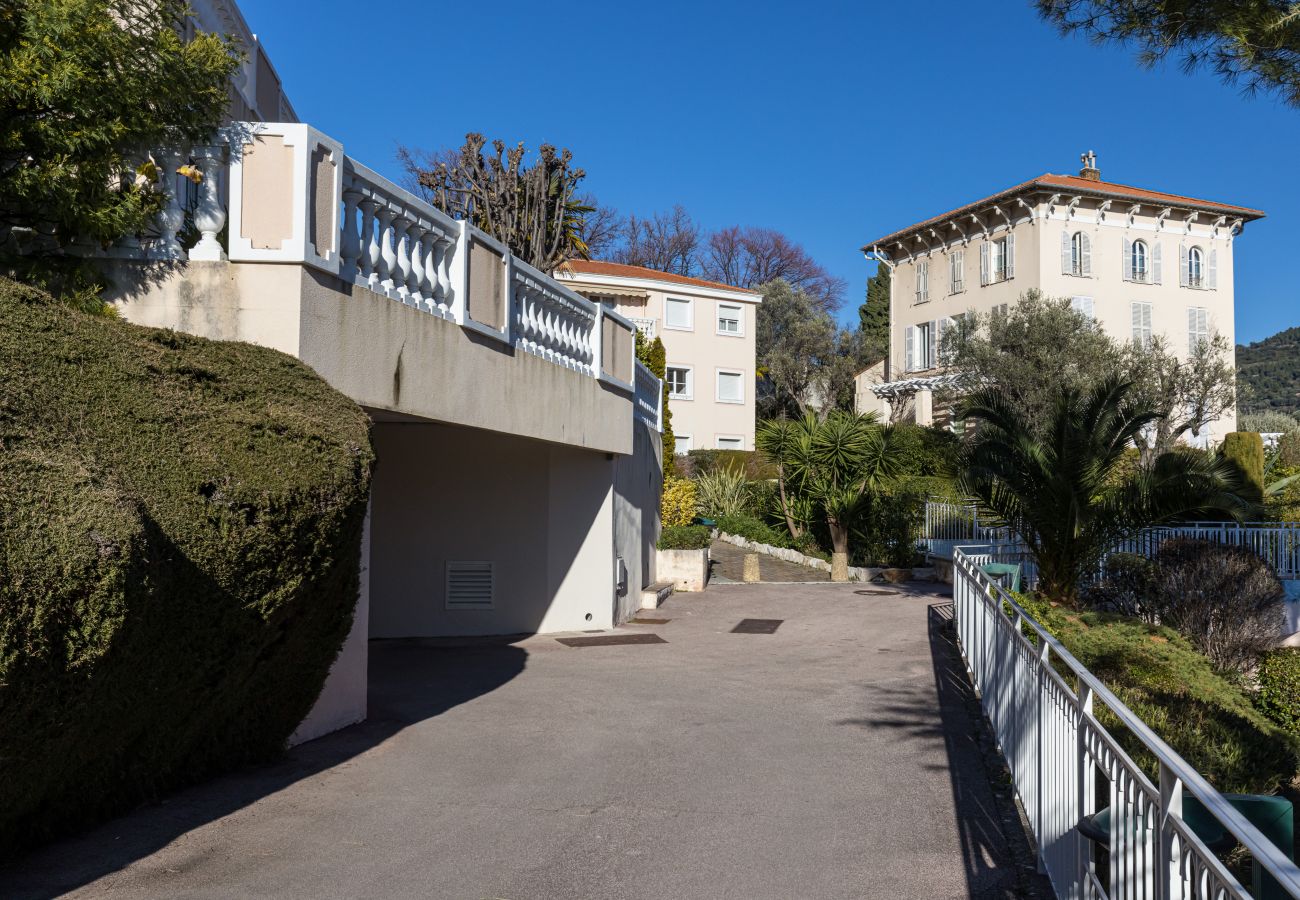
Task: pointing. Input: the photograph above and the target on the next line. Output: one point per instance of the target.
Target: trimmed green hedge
(1207, 719)
(180, 526)
(1279, 689)
(685, 537)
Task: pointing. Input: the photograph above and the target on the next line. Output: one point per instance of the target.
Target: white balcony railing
(1043, 704)
(648, 327)
(291, 195)
(649, 397)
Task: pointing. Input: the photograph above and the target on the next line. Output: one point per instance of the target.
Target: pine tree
(874, 316)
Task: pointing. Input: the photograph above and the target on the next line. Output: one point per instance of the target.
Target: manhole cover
(757, 626)
(607, 640)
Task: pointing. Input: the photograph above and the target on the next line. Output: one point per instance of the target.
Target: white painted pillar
(924, 407)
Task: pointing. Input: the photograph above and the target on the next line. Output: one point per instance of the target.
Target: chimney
(1089, 172)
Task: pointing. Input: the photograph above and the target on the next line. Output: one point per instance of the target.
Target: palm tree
(1064, 493)
(829, 466)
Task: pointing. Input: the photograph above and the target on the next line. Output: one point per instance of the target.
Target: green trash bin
(998, 571)
(1273, 816)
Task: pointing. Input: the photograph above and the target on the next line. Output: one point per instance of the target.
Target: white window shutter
(1182, 264)
(1067, 266)
(984, 263)
(909, 345)
(1191, 329)
(1085, 247)
(1155, 261)
(1010, 262)
(932, 332)
(1128, 260)
(945, 326)
(1214, 269)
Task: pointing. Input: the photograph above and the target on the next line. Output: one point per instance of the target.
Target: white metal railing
(339, 216)
(649, 396)
(648, 327)
(1042, 704)
(1277, 543)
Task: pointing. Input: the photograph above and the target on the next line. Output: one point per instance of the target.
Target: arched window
(1139, 261)
(1195, 267)
(1080, 254)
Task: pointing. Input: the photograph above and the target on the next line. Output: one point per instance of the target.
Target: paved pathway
(729, 562)
(835, 758)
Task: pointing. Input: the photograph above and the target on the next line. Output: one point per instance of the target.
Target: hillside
(1268, 373)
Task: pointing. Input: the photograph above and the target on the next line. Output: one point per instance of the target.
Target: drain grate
(757, 626)
(878, 593)
(640, 621)
(608, 640)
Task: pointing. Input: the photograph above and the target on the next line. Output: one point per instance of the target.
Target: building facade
(1141, 262)
(708, 330)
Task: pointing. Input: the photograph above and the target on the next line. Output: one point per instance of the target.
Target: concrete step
(654, 595)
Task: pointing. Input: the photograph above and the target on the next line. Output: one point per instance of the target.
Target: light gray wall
(637, 483)
(542, 513)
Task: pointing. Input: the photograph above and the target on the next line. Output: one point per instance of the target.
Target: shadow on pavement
(410, 681)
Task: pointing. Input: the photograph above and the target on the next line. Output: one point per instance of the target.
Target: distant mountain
(1268, 373)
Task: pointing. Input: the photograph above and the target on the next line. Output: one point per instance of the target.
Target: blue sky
(832, 122)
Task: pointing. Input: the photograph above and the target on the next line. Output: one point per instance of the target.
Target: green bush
(180, 525)
(928, 451)
(754, 466)
(752, 528)
(890, 530)
(1246, 449)
(1205, 717)
(685, 537)
(1269, 422)
(677, 505)
(722, 492)
(1279, 689)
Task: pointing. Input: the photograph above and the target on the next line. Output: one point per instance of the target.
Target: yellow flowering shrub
(678, 504)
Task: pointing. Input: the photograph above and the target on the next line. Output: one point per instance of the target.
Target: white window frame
(717, 385)
(1142, 334)
(690, 382)
(1140, 251)
(922, 281)
(926, 338)
(740, 319)
(678, 439)
(1198, 328)
(1195, 267)
(738, 438)
(1002, 258)
(957, 272)
(690, 314)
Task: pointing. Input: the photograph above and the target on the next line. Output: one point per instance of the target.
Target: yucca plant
(1063, 493)
(722, 492)
(829, 465)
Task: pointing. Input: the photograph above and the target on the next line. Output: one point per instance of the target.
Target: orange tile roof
(619, 270)
(1051, 182)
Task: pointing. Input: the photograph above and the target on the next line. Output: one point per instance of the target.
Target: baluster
(421, 283)
(440, 284)
(402, 244)
(387, 256)
(369, 245)
(209, 217)
(350, 243)
(172, 216)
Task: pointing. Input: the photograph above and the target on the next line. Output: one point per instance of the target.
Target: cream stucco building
(1142, 262)
(708, 330)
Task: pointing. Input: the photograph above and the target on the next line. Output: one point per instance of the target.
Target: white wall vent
(470, 585)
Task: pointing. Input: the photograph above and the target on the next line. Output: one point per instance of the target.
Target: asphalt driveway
(836, 757)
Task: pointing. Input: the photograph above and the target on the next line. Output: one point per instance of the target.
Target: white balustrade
(1041, 703)
(553, 322)
(210, 214)
(649, 396)
(397, 244)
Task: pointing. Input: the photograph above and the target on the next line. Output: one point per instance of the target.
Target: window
(730, 442)
(682, 443)
(957, 271)
(1197, 269)
(1138, 261)
(731, 386)
(998, 260)
(681, 382)
(1083, 305)
(1142, 324)
(731, 319)
(679, 314)
(1001, 309)
(922, 281)
(920, 346)
(1076, 254)
(1198, 328)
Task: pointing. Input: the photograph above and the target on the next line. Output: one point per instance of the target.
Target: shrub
(751, 464)
(1126, 586)
(1246, 449)
(891, 529)
(1288, 449)
(1224, 599)
(685, 537)
(1267, 423)
(180, 560)
(754, 529)
(1207, 719)
(1279, 689)
(722, 492)
(928, 451)
(678, 504)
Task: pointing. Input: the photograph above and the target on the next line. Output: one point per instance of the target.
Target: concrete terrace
(840, 756)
